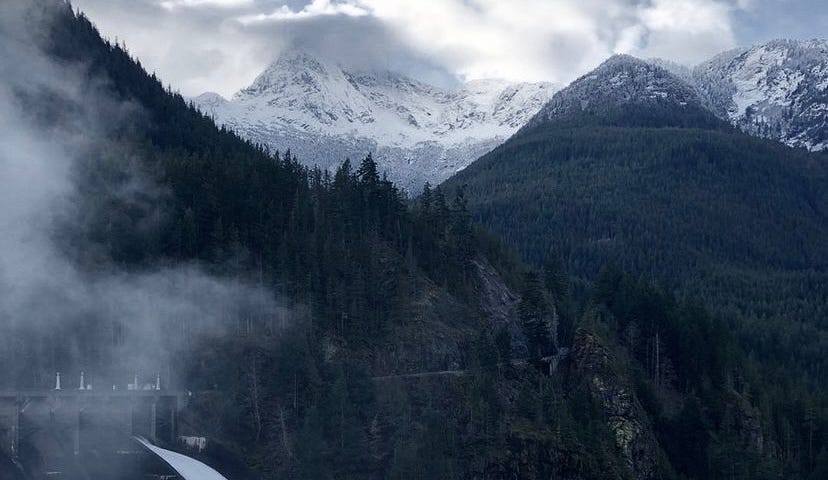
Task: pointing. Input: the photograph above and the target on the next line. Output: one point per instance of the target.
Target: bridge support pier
(173, 422)
(14, 432)
(10, 427)
(76, 428)
(131, 418)
(153, 430)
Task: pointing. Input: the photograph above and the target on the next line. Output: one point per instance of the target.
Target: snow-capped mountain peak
(418, 132)
(208, 102)
(620, 81)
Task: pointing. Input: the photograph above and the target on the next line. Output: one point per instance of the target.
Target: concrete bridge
(149, 412)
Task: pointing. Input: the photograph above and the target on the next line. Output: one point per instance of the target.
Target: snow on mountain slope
(611, 90)
(778, 90)
(417, 132)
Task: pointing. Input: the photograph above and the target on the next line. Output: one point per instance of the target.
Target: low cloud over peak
(221, 45)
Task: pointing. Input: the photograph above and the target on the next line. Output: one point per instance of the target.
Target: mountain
(639, 173)
(777, 90)
(417, 132)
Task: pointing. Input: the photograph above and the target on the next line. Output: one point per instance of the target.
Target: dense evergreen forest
(420, 347)
(738, 222)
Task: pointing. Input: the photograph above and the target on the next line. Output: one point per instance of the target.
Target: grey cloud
(193, 49)
(358, 43)
(207, 47)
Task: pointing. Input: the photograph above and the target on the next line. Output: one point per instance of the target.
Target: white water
(189, 468)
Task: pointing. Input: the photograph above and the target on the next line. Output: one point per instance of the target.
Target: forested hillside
(624, 167)
(405, 342)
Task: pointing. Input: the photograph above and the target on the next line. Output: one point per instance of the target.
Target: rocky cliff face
(499, 305)
(625, 416)
(747, 422)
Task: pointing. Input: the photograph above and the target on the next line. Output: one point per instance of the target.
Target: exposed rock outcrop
(625, 416)
(747, 422)
(499, 305)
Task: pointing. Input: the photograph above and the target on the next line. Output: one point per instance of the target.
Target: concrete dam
(84, 433)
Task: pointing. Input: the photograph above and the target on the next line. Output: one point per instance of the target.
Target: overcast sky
(221, 45)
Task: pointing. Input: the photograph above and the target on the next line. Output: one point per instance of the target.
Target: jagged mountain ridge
(417, 132)
(420, 133)
(777, 90)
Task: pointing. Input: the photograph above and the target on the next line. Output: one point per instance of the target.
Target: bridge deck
(30, 394)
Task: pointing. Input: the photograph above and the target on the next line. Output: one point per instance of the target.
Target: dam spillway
(189, 468)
